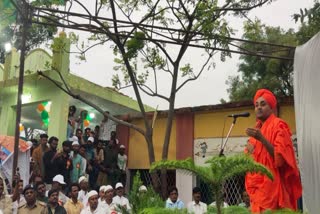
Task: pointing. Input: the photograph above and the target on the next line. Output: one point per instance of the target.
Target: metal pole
(24, 18)
(227, 138)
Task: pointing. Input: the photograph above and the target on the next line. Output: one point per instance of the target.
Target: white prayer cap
(82, 178)
(102, 188)
(108, 188)
(74, 143)
(59, 179)
(92, 193)
(142, 188)
(74, 138)
(118, 185)
(91, 139)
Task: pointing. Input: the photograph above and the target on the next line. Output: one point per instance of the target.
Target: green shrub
(283, 211)
(140, 202)
(163, 211)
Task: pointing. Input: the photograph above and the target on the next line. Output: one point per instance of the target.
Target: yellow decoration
(21, 127)
(62, 34)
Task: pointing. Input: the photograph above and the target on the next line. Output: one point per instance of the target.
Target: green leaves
(135, 44)
(48, 3)
(257, 72)
(310, 22)
(204, 172)
(187, 70)
(7, 13)
(162, 210)
(59, 44)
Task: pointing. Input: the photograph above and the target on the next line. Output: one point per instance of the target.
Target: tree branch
(151, 93)
(168, 69)
(178, 18)
(92, 46)
(143, 20)
(123, 12)
(63, 80)
(78, 97)
(197, 76)
(158, 45)
(84, 7)
(182, 4)
(99, 8)
(155, 79)
(236, 9)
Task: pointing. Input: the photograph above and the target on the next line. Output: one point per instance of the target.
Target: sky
(211, 85)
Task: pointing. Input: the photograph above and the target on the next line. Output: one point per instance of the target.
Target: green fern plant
(217, 171)
(234, 209)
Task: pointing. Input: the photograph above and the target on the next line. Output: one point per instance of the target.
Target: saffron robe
(285, 189)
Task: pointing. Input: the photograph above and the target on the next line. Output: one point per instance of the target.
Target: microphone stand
(227, 137)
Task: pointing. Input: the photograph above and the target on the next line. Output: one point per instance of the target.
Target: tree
(256, 72)
(276, 75)
(152, 39)
(310, 22)
(218, 170)
(11, 33)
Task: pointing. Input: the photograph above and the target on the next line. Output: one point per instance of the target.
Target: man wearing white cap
(102, 194)
(142, 189)
(122, 164)
(57, 183)
(83, 193)
(77, 163)
(108, 202)
(119, 199)
(90, 148)
(93, 207)
(91, 166)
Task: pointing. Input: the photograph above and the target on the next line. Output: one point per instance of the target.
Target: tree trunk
(165, 149)
(164, 183)
(218, 197)
(154, 175)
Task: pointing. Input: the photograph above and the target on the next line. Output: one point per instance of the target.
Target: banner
(6, 158)
(205, 148)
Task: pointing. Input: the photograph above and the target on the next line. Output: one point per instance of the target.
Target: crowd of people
(38, 199)
(68, 179)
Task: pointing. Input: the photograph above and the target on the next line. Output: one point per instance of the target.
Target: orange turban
(267, 95)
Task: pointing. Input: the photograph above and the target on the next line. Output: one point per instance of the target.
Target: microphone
(244, 114)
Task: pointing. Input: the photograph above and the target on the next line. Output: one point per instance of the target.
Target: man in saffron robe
(270, 144)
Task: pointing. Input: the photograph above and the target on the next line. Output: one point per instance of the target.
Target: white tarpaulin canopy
(307, 105)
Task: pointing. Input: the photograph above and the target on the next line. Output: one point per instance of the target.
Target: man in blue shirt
(173, 202)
